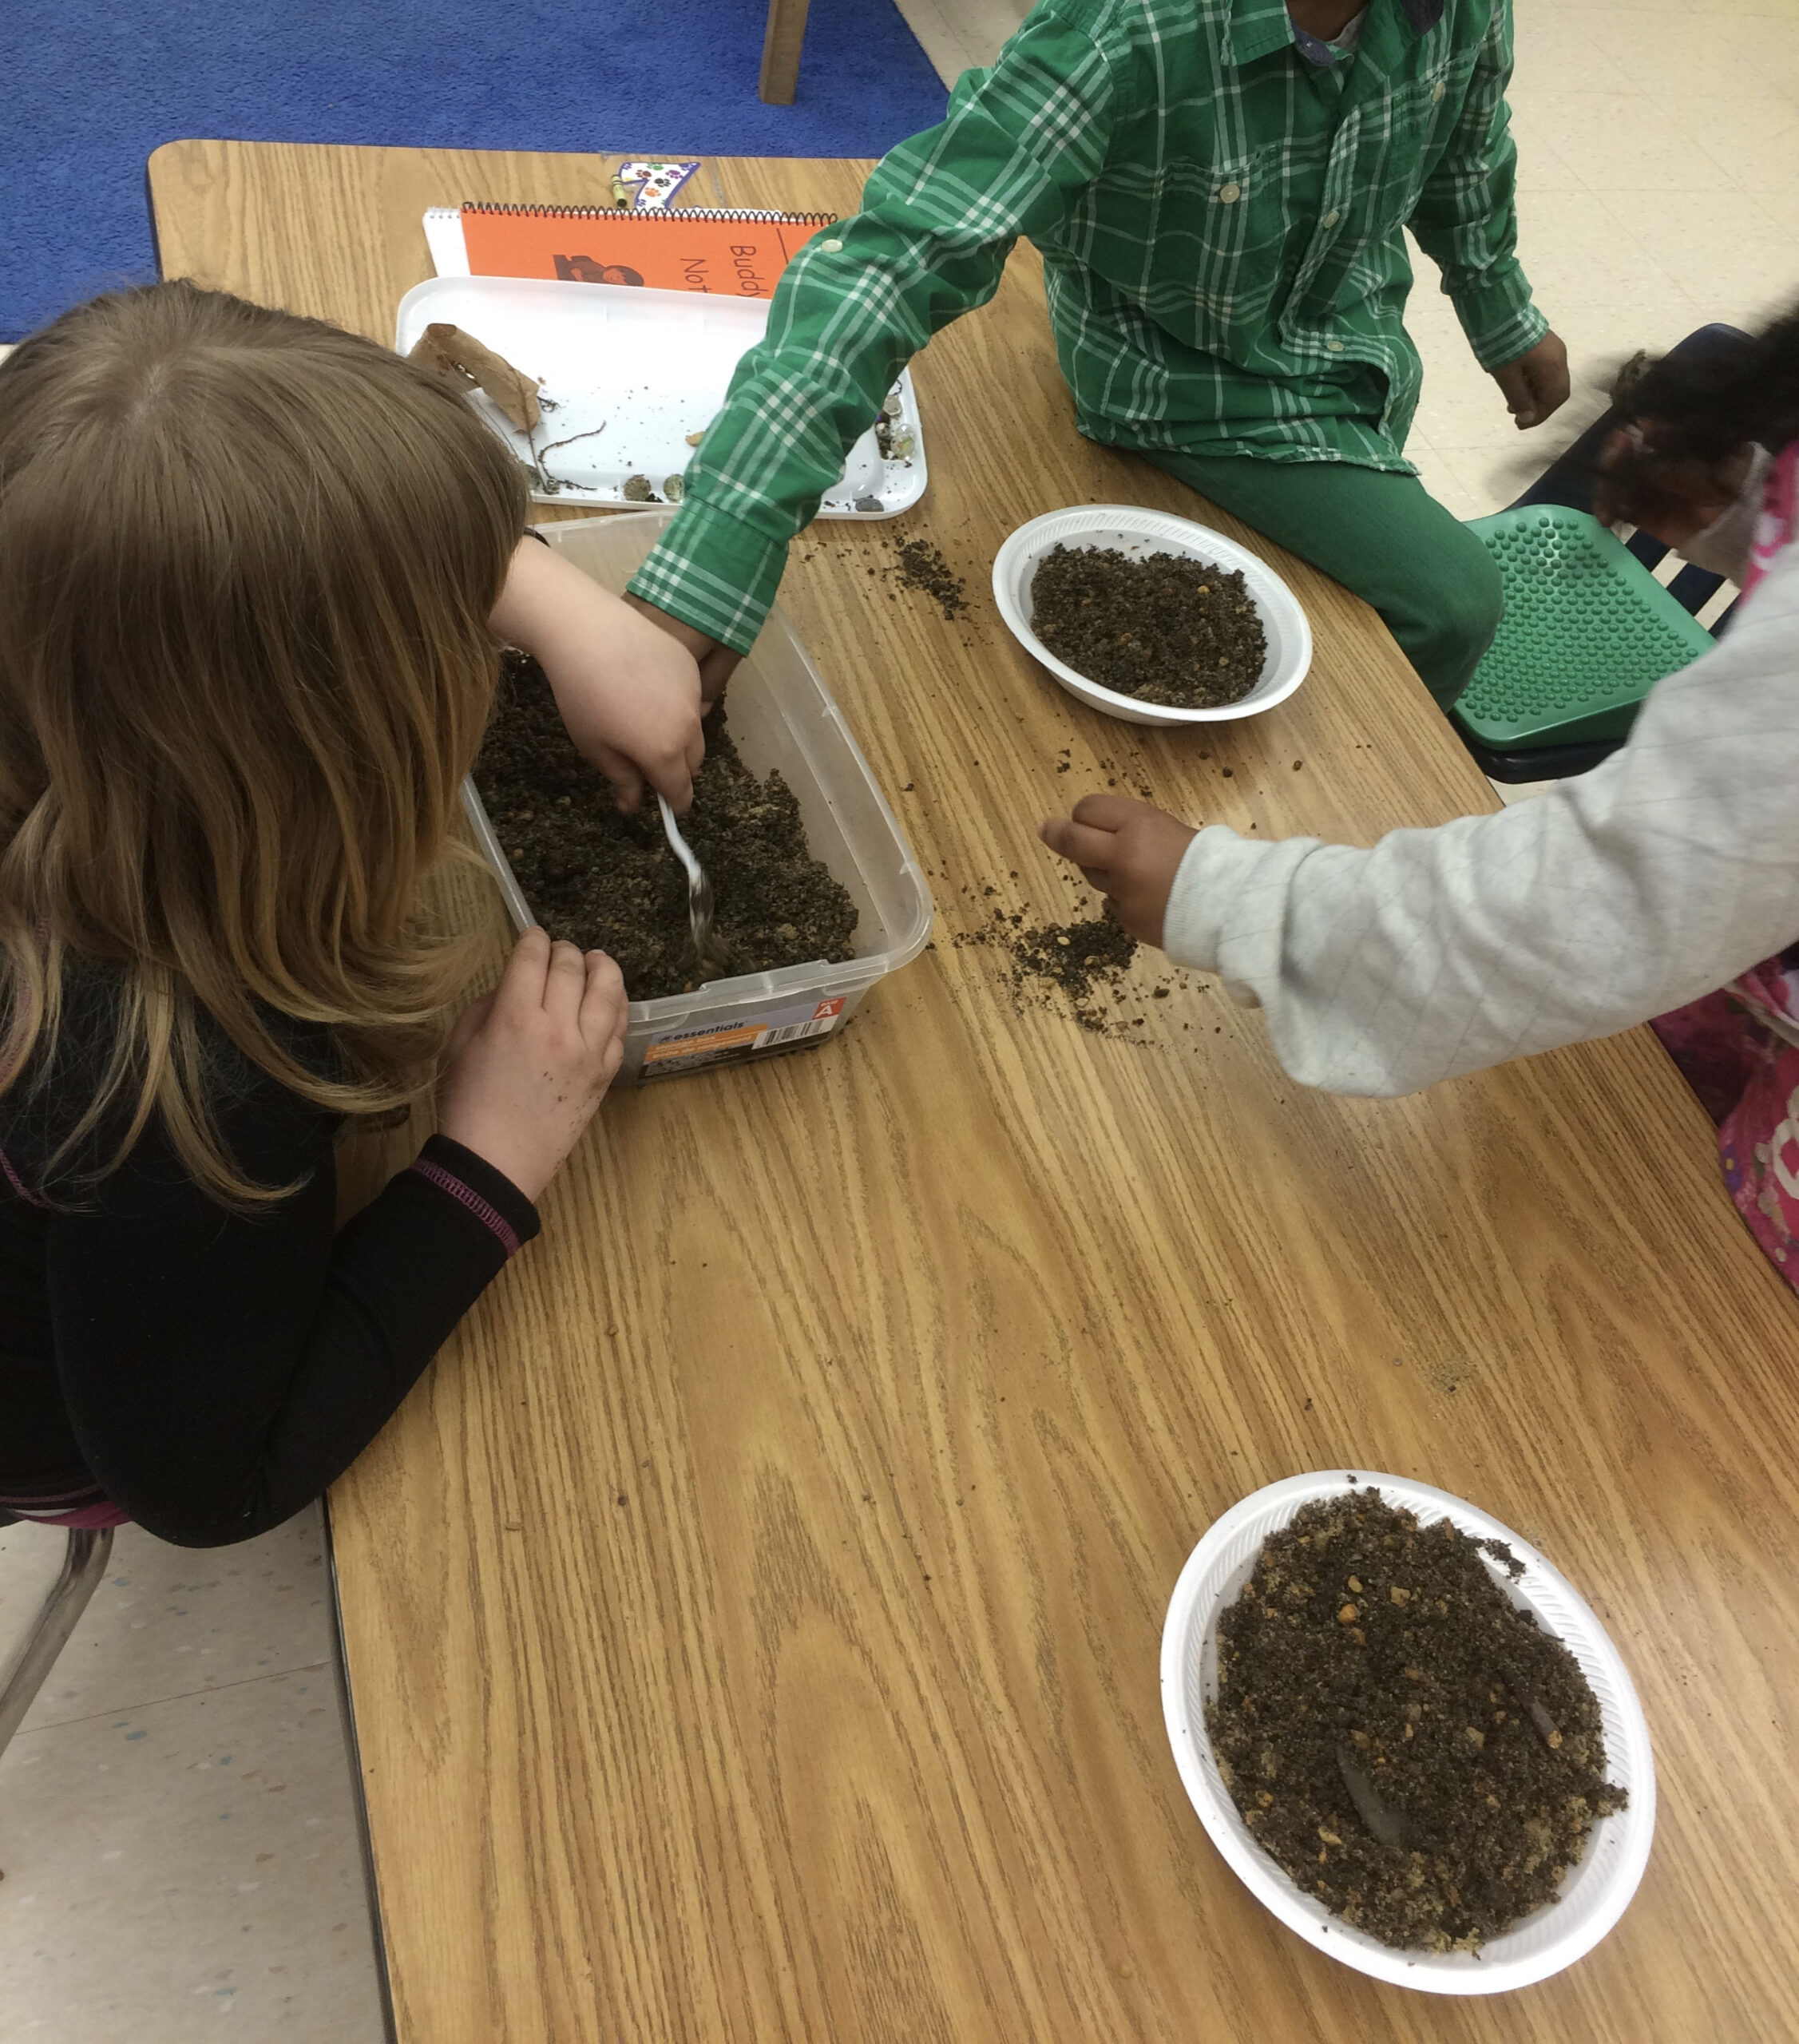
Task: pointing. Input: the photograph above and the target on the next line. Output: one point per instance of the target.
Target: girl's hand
(628, 693)
(527, 1066)
(1129, 850)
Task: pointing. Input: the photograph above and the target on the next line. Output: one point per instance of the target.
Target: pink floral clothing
(1739, 1047)
(1779, 522)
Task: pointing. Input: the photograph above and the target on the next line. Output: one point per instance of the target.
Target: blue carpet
(88, 88)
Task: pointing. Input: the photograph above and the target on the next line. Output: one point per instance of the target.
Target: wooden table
(753, 1617)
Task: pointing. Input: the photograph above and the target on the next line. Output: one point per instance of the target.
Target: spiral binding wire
(669, 213)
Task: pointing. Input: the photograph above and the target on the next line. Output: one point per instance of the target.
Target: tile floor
(178, 1836)
(176, 1829)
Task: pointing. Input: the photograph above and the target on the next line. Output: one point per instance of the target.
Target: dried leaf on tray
(459, 358)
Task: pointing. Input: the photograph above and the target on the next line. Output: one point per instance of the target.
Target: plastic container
(630, 373)
(1138, 533)
(1597, 1889)
(781, 716)
(1587, 632)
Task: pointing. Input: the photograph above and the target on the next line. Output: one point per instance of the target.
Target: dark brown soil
(921, 566)
(1087, 961)
(1405, 1742)
(609, 881)
(1078, 957)
(1164, 629)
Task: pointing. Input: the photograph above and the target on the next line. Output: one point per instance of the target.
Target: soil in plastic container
(609, 881)
(1407, 1744)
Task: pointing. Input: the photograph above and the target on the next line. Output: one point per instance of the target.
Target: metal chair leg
(84, 1562)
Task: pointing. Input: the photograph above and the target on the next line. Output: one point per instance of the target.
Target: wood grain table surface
(753, 1617)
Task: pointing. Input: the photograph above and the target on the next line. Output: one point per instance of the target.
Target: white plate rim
(1168, 525)
(1632, 1765)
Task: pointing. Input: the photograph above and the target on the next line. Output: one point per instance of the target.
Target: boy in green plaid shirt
(1219, 189)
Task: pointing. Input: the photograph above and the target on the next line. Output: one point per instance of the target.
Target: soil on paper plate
(1405, 1742)
(1165, 629)
(608, 882)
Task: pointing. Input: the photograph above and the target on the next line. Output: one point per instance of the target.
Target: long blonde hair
(247, 562)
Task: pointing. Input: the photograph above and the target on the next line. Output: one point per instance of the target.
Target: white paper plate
(1597, 1889)
(1138, 533)
(651, 366)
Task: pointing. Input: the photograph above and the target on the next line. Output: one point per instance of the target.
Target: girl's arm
(628, 693)
(220, 1369)
(1656, 878)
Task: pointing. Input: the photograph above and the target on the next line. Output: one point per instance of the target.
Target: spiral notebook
(728, 254)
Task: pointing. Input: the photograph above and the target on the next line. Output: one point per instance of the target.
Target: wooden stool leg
(780, 51)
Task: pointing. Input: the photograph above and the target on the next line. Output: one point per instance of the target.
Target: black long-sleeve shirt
(214, 1371)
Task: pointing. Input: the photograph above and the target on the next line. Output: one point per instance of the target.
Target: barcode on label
(794, 1031)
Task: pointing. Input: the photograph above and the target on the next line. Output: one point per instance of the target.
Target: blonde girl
(254, 574)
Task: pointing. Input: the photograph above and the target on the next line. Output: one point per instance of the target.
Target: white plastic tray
(1138, 533)
(1597, 1889)
(651, 366)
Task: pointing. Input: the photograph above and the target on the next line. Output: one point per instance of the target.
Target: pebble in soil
(1407, 1744)
(606, 881)
(1165, 629)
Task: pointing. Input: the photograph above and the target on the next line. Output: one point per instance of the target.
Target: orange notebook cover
(735, 255)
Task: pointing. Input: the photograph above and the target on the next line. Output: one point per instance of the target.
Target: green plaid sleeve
(938, 218)
(715, 572)
(1467, 221)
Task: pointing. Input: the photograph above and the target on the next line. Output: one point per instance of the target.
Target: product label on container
(685, 1047)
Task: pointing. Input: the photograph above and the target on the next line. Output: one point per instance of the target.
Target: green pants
(1383, 536)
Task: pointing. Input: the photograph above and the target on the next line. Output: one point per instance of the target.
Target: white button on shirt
(1331, 217)
(1229, 194)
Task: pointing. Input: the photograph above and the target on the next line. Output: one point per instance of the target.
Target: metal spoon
(700, 894)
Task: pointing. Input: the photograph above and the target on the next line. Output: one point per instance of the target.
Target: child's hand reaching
(527, 1065)
(1129, 850)
(628, 693)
